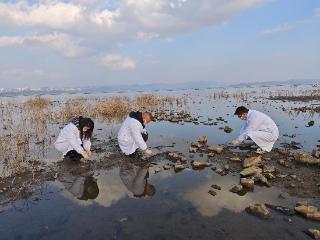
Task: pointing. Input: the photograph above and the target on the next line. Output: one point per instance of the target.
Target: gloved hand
(235, 142)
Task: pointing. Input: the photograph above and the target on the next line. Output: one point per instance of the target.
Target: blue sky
(82, 42)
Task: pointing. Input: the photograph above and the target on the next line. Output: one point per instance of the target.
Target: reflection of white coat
(129, 136)
(69, 139)
(134, 178)
(261, 129)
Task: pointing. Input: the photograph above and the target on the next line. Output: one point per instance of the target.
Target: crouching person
(133, 135)
(74, 139)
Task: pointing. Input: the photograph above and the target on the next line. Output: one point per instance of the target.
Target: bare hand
(148, 152)
(86, 155)
(235, 142)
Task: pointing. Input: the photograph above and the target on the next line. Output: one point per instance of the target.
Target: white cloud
(117, 62)
(57, 42)
(164, 17)
(280, 28)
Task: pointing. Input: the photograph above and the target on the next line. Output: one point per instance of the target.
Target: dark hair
(241, 110)
(85, 122)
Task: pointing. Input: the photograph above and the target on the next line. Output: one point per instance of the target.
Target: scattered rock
(166, 167)
(316, 153)
(303, 157)
(281, 175)
(199, 165)
(247, 183)
(268, 169)
(284, 163)
(259, 210)
(174, 155)
(215, 148)
(252, 161)
(210, 155)
(314, 233)
(193, 150)
(259, 177)
(309, 212)
(269, 176)
(215, 186)
(179, 167)
(226, 167)
(211, 192)
(311, 123)
(183, 158)
(196, 144)
(227, 129)
(250, 171)
(235, 159)
(203, 139)
(157, 169)
(236, 189)
(284, 210)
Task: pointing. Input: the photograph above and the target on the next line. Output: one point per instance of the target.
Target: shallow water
(134, 202)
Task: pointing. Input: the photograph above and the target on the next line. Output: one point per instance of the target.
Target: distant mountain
(152, 87)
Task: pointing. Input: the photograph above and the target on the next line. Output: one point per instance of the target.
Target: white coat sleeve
(75, 142)
(137, 137)
(86, 144)
(253, 122)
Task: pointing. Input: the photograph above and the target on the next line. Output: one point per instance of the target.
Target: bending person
(74, 139)
(257, 126)
(133, 135)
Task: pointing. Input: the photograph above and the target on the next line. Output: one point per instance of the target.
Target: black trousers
(73, 155)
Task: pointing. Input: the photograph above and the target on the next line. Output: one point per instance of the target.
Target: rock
(235, 159)
(269, 176)
(157, 169)
(284, 210)
(316, 153)
(247, 183)
(166, 167)
(220, 119)
(259, 210)
(196, 144)
(311, 123)
(268, 169)
(183, 158)
(179, 167)
(303, 157)
(174, 155)
(314, 233)
(250, 171)
(309, 212)
(210, 155)
(219, 170)
(252, 161)
(203, 139)
(236, 188)
(284, 163)
(193, 150)
(215, 148)
(259, 177)
(174, 119)
(214, 186)
(302, 203)
(199, 165)
(227, 129)
(226, 167)
(211, 192)
(281, 175)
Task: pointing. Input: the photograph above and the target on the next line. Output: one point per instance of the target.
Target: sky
(74, 43)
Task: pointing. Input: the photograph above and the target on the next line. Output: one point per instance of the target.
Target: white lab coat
(129, 136)
(69, 139)
(261, 129)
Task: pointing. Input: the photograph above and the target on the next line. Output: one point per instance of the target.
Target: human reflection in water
(83, 188)
(135, 176)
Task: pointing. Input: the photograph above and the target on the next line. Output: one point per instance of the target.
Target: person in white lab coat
(74, 139)
(133, 135)
(257, 126)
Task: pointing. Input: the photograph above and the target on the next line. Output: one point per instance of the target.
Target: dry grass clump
(114, 108)
(37, 102)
